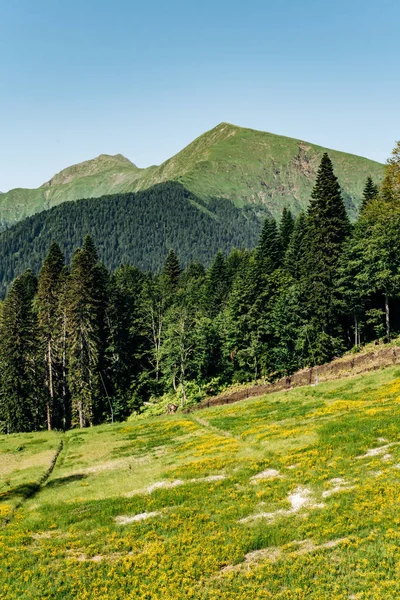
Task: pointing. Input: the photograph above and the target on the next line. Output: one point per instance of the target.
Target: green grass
(207, 539)
(243, 165)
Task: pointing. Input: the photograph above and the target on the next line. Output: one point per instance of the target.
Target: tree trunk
(183, 393)
(183, 382)
(64, 373)
(80, 410)
(174, 381)
(387, 317)
(50, 403)
(355, 331)
(80, 403)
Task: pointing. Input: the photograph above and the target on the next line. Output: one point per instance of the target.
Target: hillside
(254, 167)
(288, 496)
(138, 229)
(242, 165)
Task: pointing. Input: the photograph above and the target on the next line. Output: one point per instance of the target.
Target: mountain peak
(102, 163)
(246, 166)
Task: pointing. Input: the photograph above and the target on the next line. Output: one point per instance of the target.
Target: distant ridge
(100, 164)
(246, 166)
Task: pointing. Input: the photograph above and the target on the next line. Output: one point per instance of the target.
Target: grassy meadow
(294, 495)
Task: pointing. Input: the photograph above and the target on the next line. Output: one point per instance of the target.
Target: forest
(138, 229)
(81, 344)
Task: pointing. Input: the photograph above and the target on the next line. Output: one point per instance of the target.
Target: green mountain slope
(136, 228)
(92, 178)
(243, 165)
(254, 167)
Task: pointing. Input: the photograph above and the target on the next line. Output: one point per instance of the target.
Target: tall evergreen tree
(123, 336)
(295, 252)
(286, 228)
(20, 401)
(172, 269)
(269, 249)
(217, 283)
(90, 248)
(326, 229)
(85, 325)
(47, 303)
(370, 192)
(62, 327)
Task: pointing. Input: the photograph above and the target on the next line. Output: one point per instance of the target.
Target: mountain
(243, 165)
(137, 228)
(92, 178)
(254, 167)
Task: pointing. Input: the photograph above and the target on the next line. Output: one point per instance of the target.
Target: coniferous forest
(138, 229)
(81, 344)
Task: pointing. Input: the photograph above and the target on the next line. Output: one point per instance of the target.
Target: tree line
(80, 345)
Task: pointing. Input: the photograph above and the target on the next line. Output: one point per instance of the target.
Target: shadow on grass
(65, 480)
(24, 491)
(28, 490)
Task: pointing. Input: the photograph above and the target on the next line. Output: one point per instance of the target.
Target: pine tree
(20, 402)
(326, 229)
(123, 337)
(370, 192)
(286, 228)
(89, 247)
(234, 262)
(85, 326)
(353, 287)
(240, 322)
(269, 249)
(47, 303)
(172, 269)
(295, 252)
(62, 327)
(217, 283)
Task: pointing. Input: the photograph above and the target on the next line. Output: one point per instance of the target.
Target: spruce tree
(172, 269)
(123, 337)
(326, 229)
(269, 249)
(20, 401)
(370, 192)
(286, 228)
(89, 247)
(240, 321)
(295, 252)
(62, 327)
(217, 283)
(47, 303)
(85, 326)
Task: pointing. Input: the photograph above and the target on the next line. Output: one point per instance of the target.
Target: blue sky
(80, 78)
